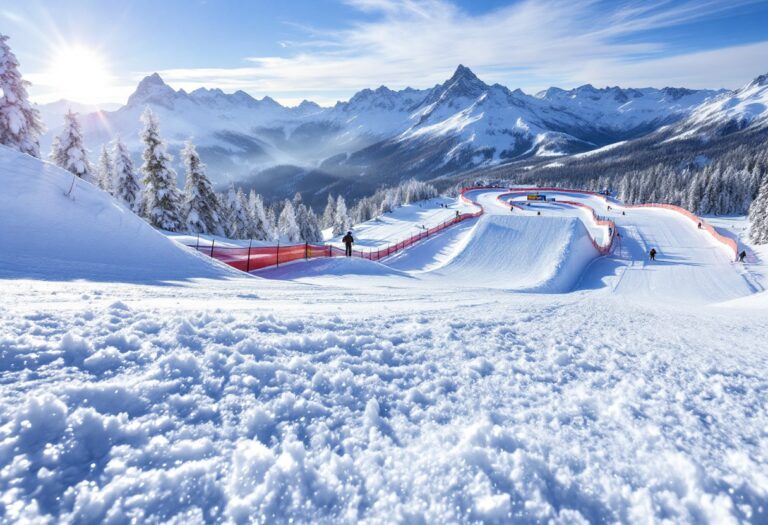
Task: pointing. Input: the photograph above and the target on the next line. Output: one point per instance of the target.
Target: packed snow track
(546, 247)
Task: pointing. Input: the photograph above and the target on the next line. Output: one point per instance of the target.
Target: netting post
(277, 255)
(248, 260)
(197, 243)
(306, 251)
(212, 243)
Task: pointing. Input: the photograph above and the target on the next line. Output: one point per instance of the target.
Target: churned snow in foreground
(157, 386)
(266, 401)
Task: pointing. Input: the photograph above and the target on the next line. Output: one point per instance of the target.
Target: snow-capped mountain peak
(153, 90)
(463, 83)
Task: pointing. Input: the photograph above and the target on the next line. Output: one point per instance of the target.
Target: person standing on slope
(348, 240)
(653, 254)
(742, 255)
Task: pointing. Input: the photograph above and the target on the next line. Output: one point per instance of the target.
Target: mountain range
(381, 136)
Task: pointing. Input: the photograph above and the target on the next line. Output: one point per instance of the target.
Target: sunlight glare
(79, 73)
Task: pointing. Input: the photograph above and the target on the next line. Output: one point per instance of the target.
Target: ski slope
(87, 235)
(506, 252)
(545, 247)
(423, 390)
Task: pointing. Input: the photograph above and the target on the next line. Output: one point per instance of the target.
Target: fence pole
(197, 243)
(212, 243)
(277, 256)
(248, 260)
(306, 251)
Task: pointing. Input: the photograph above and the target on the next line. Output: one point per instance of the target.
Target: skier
(348, 240)
(699, 224)
(742, 255)
(538, 213)
(457, 214)
(653, 254)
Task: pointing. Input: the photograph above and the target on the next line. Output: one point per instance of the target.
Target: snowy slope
(746, 107)
(521, 253)
(375, 396)
(48, 235)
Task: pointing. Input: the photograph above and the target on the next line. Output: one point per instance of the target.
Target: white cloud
(530, 44)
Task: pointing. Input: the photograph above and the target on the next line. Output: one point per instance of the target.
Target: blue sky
(325, 50)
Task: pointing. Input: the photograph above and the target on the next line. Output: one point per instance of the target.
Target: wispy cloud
(530, 44)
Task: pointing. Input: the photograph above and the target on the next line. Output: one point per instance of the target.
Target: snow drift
(47, 235)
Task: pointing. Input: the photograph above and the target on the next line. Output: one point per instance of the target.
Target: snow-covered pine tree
(287, 226)
(125, 183)
(260, 229)
(244, 217)
(68, 150)
(341, 221)
(310, 226)
(104, 171)
(200, 207)
(329, 213)
(758, 215)
(238, 222)
(162, 198)
(273, 233)
(20, 124)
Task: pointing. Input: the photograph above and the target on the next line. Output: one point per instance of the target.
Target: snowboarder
(457, 214)
(699, 224)
(653, 254)
(742, 255)
(348, 240)
(623, 213)
(538, 213)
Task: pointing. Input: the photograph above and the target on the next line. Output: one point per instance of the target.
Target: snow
(487, 123)
(404, 222)
(424, 390)
(48, 235)
(742, 107)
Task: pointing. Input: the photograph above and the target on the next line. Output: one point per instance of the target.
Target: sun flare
(79, 73)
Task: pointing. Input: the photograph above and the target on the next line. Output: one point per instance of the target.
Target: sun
(78, 73)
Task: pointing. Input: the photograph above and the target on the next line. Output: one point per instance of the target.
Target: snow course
(422, 391)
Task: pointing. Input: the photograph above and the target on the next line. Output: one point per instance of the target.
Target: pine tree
(162, 198)
(20, 124)
(341, 220)
(238, 222)
(200, 207)
(287, 225)
(758, 215)
(125, 183)
(68, 151)
(104, 171)
(329, 213)
(272, 231)
(310, 226)
(260, 229)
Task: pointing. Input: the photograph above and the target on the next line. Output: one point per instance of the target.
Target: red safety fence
(252, 258)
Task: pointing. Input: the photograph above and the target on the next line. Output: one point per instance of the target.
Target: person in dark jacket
(742, 255)
(653, 254)
(348, 240)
